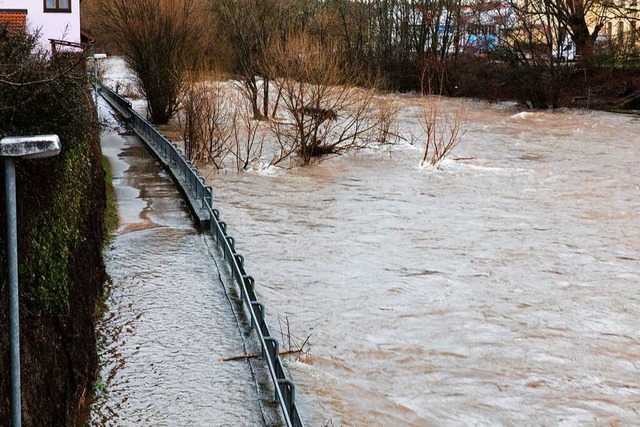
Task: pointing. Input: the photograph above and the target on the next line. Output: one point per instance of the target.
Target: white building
(57, 21)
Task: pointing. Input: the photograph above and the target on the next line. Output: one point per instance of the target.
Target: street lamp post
(12, 149)
(95, 58)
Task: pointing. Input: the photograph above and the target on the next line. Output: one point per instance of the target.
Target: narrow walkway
(167, 322)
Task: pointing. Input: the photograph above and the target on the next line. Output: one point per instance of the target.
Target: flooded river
(168, 322)
(503, 288)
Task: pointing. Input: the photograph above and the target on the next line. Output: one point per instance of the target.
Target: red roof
(15, 22)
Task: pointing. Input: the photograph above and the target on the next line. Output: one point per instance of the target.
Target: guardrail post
(212, 223)
(231, 242)
(288, 389)
(249, 283)
(240, 261)
(207, 198)
(258, 308)
(273, 347)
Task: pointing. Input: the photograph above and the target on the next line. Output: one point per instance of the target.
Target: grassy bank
(111, 209)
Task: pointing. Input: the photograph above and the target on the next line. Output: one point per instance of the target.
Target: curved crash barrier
(200, 197)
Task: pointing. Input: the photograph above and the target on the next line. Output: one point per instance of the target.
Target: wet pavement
(168, 321)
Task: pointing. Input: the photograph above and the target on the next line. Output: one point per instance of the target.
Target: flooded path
(168, 321)
(499, 290)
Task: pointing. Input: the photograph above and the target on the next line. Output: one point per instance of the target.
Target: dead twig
(287, 338)
(256, 355)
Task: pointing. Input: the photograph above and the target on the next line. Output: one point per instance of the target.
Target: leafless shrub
(387, 131)
(160, 40)
(444, 130)
(292, 344)
(246, 145)
(206, 122)
(128, 90)
(324, 112)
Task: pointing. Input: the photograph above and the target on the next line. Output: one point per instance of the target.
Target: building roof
(14, 21)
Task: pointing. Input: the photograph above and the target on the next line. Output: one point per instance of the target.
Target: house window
(57, 5)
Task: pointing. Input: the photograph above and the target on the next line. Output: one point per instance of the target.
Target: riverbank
(564, 86)
(607, 89)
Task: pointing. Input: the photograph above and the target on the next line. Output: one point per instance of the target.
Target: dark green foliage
(44, 96)
(111, 208)
(60, 230)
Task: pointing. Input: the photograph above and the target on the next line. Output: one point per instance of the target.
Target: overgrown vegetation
(57, 104)
(509, 49)
(161, 41)
(60, 228)
(327, 107)
(306, 68)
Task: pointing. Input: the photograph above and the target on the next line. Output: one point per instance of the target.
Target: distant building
(57, 21)
(613, 24)
(621, 26)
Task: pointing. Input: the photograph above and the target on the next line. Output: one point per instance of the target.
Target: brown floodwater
(500, 289)
(167, 323)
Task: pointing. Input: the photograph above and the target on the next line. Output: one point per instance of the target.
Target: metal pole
(12, 270)
(95, 81)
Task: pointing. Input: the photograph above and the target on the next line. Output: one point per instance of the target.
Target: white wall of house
(55, 25)
(52, 25)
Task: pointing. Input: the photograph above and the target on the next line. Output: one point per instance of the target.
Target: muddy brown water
(503, 289)
(168, 321)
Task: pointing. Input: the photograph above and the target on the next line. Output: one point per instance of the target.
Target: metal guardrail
(174, 157)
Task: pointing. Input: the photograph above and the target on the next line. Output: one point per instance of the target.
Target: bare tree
(160, 40)
(535, 45)
(248, 27)
(206, 122)
(582, 19)
(324, 111)
(443, 129)
(246, 145)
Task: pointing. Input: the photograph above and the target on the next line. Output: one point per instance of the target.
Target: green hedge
(52, 193)
(61, 204)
